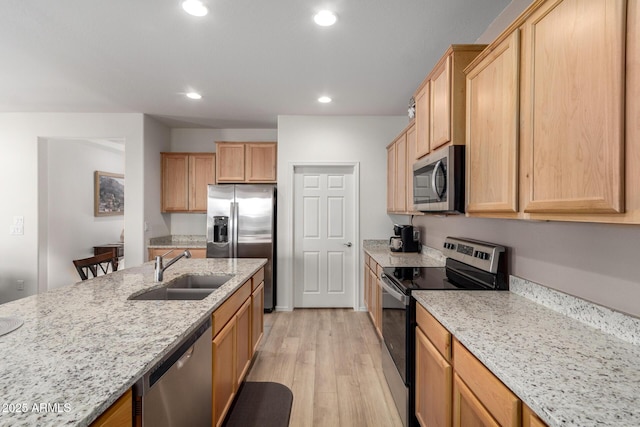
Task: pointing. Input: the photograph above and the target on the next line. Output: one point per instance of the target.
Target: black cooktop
(455, 276)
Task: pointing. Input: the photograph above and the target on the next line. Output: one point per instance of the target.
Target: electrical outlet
(18, 221)
(16, 230)
(20, 285)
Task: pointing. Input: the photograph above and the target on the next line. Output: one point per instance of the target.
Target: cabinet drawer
(503, 405)
(437, 334)
(257, 279)
(228, 309)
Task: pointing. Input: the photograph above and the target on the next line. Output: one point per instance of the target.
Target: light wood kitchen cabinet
(492, 129)
(239, 162)
(440, 100)
(195, 252)
(235, 325)
(257, 316)
(530, 419)
(478, 394)
(391, 177)
(373, 293)
(573, 92)
(185, 177)
(411, 159)
(224, 371)
(423, 113)
(433, 375)
(244, 347)
(397, 174)
(120, 414)
(401, 156)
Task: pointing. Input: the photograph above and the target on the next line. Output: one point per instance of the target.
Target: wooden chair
(91, 264)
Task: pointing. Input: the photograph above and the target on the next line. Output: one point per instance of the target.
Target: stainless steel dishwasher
(177, 390)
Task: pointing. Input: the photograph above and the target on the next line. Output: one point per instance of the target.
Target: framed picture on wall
(108, 195)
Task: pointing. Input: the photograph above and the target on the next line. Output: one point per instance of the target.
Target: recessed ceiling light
(195, 7)
(324, 99)
(325, 18)
(193, 95)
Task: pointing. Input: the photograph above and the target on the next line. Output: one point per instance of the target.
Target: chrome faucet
(159, 268)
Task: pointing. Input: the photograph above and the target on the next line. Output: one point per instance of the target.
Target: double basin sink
(189, 287)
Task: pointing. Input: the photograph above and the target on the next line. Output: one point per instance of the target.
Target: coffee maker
(405, 239)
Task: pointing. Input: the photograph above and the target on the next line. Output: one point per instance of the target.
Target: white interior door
(324, 247)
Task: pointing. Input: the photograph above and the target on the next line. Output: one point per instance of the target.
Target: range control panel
(483, 255)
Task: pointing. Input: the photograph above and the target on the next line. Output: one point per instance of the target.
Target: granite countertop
(379, 251)
(568, 370)
(83, 345)
(178, 241)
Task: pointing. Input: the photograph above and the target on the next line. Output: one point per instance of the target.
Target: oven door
(395, 324)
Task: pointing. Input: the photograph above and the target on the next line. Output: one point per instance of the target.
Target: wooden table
(116, 249)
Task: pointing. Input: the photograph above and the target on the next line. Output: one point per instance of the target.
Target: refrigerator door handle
(234, 230)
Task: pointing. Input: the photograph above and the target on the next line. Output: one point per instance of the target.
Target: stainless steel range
(470, 265)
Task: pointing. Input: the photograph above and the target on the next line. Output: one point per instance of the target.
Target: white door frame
(355, 166)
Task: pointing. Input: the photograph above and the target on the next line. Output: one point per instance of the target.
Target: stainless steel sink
(189, 287)
(200, 282)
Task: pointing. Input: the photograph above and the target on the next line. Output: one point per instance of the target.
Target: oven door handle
(392, 290)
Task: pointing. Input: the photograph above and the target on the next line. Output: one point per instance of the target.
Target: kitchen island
(84, 345)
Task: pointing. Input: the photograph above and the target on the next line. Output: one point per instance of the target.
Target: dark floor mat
(261, 404)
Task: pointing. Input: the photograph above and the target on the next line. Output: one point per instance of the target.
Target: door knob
(348, 244)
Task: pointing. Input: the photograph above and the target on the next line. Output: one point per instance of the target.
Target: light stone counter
(83, 345)
(178, 241)
(572, 369)
(379, 251)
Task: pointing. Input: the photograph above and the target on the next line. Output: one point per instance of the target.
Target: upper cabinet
(492, 129)
(246, 162)
(440, 101)
(573, 85)
(185, 177)
(573, 155)
(400, 158)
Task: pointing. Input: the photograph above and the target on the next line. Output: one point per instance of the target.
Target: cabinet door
(433, 383)
(411, 158)
(175, 182)
(224, 371)
(119, 414)
(400, 184)
(244, 349)
(230, 162)
(492, 130)
(423, 108)
(573, 107)
(467, 409)
(530, 419)
(391, 178)
(440, 118)
(372, 301)
(202, 172)
(261, 160)
(257, 316)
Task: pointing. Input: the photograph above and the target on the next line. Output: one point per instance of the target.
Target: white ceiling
(251, 59)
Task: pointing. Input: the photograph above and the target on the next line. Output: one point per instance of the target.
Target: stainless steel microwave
(438, 181)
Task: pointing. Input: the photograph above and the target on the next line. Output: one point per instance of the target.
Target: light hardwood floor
(330, 359)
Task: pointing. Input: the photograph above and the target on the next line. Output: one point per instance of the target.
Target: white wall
(20, 175)
(203, 141)
(73, 229)
(157, 138)
(333, 139)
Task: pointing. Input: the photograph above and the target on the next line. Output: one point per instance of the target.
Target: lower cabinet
(119, 414)
(373, 293)
(453, 388)
(238, 326)
(195, 252)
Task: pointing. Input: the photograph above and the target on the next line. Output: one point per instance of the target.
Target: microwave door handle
(433, 180)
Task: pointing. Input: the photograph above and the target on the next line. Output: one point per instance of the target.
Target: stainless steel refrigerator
(241, 223)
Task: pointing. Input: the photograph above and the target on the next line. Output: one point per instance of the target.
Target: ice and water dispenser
(220, 229)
